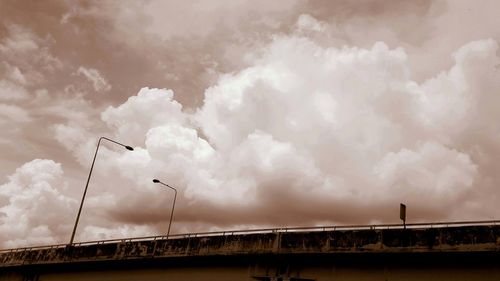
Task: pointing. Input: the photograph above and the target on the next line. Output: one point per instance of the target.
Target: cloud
(14, 74)
(197, 18)
(10, 91)
(307, 135)
(13, 114)
(20, 40)
(319, 120)
(433, 174)
(99, 83)
(309, 23)
(148, 109)
(458, 101)
(27, 56)
(75, 139)
(33, 206)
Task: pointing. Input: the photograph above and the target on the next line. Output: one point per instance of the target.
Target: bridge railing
(262, 231)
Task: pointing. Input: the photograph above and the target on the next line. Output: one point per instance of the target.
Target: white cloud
(75, 139)
(27, 55)
(20, 40)
(96, 233)
(14, 74)
(150, 108)
(306, 134)
(13, 114)
(98, 82)
(10, 91)
(26, 60)
(176, 19)
(33, 208)
(433, 174)
(344, 130)
(77, 133)
(308, 23)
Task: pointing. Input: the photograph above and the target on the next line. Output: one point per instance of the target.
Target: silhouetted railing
(263, 231)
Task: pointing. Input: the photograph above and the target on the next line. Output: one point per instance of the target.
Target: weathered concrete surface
(454, 253)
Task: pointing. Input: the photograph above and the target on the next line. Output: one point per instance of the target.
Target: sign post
(402, 214)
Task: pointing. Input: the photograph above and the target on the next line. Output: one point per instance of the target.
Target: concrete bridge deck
(265, 253)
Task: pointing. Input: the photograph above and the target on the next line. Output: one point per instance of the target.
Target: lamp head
(129, 148)
(156, 181)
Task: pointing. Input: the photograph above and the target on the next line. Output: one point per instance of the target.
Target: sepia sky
(260, 113)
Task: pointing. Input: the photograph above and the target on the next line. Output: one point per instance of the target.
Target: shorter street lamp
(88, 180)
(173, 205)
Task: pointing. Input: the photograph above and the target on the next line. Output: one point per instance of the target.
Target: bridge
(431, 251)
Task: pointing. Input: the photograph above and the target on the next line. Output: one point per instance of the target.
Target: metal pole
(87, 184)
(402, 214)
(172, 213)
(173, 205)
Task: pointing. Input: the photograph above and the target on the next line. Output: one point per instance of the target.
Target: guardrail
(262, 231)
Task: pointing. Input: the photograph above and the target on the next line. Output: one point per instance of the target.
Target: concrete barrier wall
(450, 239)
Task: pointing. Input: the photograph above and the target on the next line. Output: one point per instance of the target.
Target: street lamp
(173, 205)
(88, 180)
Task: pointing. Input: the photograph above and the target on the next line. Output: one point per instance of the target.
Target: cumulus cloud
(432, 175)
(150, 108)
(308, 135)
(307, 132)
(33, 206)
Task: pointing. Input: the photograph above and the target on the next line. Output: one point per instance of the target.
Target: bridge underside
(441, 266)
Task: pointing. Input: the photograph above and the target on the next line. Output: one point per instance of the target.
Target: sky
(260, 113)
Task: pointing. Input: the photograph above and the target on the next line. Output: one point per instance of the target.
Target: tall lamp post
(88, 180)
(173, 205)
